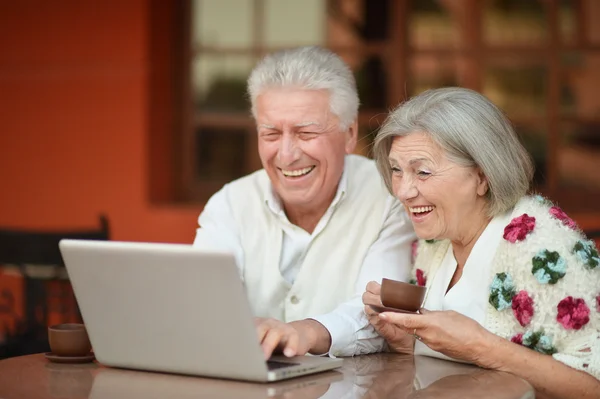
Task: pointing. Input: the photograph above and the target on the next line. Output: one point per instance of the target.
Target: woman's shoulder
(545, 287)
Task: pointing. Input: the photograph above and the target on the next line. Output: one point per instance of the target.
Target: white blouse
(469, 296)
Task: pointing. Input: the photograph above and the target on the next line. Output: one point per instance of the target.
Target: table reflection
(114, 383)
(372, 376)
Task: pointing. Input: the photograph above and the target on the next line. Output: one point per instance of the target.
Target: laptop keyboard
(275, 365)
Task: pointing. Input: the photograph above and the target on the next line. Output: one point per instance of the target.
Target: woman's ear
(482, 183)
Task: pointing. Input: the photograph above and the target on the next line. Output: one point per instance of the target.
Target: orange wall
(74, 112)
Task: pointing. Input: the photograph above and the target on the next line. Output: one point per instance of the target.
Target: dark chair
(35, 255)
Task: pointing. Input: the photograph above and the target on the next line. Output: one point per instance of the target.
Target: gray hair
(313, 68)
(472, 131)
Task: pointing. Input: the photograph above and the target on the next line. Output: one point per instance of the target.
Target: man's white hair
(312, 68)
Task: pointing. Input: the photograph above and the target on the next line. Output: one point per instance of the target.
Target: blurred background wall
(137, 108)
(75, 124)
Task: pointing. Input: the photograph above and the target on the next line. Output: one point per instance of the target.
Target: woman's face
(443, 199)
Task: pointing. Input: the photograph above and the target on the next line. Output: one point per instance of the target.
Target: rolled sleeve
(350, 331)
(389, 256)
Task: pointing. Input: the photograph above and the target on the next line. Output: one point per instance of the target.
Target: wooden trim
(553, 100)
(187, 109)
(398, 54)
(165, 85)
(582, 37)
(223, 120)
(370, 48)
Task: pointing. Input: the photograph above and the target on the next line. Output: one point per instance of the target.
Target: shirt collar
(273, 201)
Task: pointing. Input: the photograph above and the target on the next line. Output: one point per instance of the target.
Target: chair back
(35, 256)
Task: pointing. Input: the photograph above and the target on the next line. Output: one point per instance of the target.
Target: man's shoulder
(254, 182)
(243, 189)
(363, 177)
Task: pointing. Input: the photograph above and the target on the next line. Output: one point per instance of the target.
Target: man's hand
(293, 339)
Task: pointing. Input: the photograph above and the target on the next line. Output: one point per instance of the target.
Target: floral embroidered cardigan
(544, 289)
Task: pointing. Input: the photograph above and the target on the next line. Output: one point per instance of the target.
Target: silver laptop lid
(164, 307)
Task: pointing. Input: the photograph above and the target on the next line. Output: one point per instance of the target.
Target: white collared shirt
(469, 296)
(351, 333)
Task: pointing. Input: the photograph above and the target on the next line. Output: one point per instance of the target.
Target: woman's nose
(406, 189)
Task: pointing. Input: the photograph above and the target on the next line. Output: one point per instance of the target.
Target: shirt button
(294, 300)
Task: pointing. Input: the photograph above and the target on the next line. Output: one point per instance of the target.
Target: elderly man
(313, 227)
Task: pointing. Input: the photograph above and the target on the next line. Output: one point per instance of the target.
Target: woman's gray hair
(313, 68)
(472, 131)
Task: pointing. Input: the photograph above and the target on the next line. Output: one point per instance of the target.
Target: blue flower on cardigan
(548, 267)
(587, 253)
(538, 342)
(502, 291)
(542, 200)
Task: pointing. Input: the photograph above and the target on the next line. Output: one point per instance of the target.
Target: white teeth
(297, 172)
(421, 209)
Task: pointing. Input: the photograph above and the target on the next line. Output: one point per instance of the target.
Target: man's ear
(351, 137)
(482, 183)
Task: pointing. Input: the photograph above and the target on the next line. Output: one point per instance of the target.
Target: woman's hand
(447, 332)
(397, 339)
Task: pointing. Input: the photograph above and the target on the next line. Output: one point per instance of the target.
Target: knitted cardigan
(544, 287)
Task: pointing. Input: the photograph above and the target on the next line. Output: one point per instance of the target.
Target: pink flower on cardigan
(413, 251)
(598, 304)
(573, 313)
(421, 279)
(562, 216)
(522, 306)
(517, 339)
(518, 228)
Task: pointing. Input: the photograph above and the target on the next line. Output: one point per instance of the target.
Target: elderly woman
(512, 283)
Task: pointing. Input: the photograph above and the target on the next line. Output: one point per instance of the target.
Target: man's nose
(289, 151)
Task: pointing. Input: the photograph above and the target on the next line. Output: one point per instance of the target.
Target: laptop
(172, 308)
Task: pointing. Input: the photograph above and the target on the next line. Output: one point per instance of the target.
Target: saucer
(380, 309)
(70, 359)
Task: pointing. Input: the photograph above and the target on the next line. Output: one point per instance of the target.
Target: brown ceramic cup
(401, 295)
(70, 339)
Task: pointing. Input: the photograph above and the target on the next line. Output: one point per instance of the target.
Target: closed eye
(307, 135)
(270, 135)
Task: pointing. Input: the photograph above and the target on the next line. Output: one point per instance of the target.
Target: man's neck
(308, 218)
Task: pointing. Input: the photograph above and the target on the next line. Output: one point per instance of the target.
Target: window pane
(222, 153)
(535, 140)
(510, 22)
(432, 71)
(580, 155)
(520, 90)
(219, 82)
(352, 22)
(371, 82)
(567, 22)
(581, 80)
(579, 162)
(222, 23)
(431, 23)
(294, 23)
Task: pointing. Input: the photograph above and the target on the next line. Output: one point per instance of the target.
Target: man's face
(301, 145)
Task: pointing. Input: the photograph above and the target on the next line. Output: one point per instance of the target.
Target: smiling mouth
(297, 172)
(421, 210)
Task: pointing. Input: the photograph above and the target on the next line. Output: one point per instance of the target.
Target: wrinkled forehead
(415, 145)
(294, 108)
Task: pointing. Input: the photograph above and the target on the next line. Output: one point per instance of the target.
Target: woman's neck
(463, 246)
